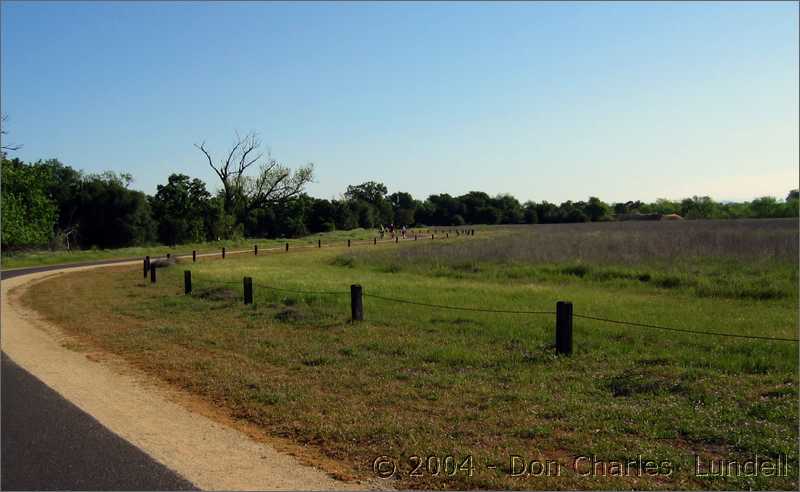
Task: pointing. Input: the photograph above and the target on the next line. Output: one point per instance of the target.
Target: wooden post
(433, 236)
(397, 239)
(348, 243)
(447, 235)
(146, 265)
(563, 328)
(223, 253)
(319, 243)
(194, 256)
(356, 303)
(152, 274)
(248, 290)
(187, 281)
(168, 256)
(287, 246)
(255, 249)
(415, 237)
(375, 240)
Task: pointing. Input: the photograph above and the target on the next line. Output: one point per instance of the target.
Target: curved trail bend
(125, 401)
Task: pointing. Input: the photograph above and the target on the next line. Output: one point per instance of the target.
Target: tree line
(50, 204)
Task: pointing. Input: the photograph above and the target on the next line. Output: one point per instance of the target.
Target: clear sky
(546, 101)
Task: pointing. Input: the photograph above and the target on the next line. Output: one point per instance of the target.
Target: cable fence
(564, 314)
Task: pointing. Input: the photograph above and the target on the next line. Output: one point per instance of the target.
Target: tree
(596, 209)
(404, 207)
(180, 208)
(371, 192)
(793, 195)
(530, 213)
(274, 183)
(109, 215)
(28, 212)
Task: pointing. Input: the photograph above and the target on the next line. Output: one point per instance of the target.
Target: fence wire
(455, 308)
(682, 330)
(508, 311)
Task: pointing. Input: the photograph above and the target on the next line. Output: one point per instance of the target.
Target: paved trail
(70, 422)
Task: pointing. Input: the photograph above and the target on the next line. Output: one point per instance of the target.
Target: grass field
(482, 387)
(45, 257)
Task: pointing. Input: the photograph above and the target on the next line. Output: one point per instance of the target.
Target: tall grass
(628, 243)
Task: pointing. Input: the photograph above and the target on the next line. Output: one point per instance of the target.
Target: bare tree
(6, 148)
(274, 183)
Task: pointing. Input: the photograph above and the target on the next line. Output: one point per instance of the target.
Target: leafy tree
(109, 215)
(28, 212)
(370, 192)
(531, 217)
(180, 207)
(596, 209)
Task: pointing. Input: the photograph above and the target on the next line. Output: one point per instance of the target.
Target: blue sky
(546, 101)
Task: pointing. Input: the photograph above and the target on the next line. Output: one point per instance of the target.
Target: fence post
(255, 249)
(168, 256)
(415, 237)
(348, 243)
(287, 246)
(187, 281)
(194, 255)
(248, 290)
(356, 303)
(223, 253)
(397, 239)
(146, 265)
(152, 274)
(447, 235)
(375, 240)
(433, 236)
(319, 243)
(563, 328)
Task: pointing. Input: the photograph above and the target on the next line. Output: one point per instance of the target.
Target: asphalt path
(47, 443)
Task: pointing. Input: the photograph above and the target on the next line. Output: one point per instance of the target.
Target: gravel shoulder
(167, 425)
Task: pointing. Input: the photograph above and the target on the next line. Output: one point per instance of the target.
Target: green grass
(417, 381)
(45, 257)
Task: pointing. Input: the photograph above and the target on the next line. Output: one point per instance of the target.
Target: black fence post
(168, 256)
(146, 265)
(194, 256)
(348, 243)
(433, 236)
(152, 274)
(248, 290)
(223, 253)
(287, 246)
(356, 303)
(563, 328)
(319, 243)
(187, 281)
(415, 237)
(255, 249)
(374, 240)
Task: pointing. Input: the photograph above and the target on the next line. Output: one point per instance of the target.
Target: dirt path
(210, 455)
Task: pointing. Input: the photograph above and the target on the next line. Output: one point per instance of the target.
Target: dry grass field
(470, 389)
